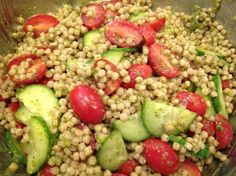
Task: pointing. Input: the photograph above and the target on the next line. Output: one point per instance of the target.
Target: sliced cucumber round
(133, 129)
(89, 37)
(161, 118)
(41, 101)
(112, 152)
(40, 144)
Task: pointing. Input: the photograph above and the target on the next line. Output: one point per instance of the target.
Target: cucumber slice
(133, 129)
(14, 148)
(87, 64)
(41, 101)
(23, 115)
(202, 52)
(137, 16)
(112, 152)
(210, 107)
(218, 101)
(89, 37)
(116, 55)
(40, 144)
(161, 118)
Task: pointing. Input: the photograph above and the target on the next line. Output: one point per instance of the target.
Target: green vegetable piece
(176, 139)
(14, 148)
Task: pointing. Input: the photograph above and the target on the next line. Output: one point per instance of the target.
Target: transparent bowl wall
(9, 9)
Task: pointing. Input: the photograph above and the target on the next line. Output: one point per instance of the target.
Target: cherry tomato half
(96, 19)
(192, 102)
(111, 85)
(209, 127)
(224, 132)
(191, 167)
(160, 62)
(46, 171)
(158, 24)
(87, 104)
(148, 34)
(14, 106)
(37, 67)
(128, 167)
(225, 84)
(160, 156)
(136, 70)
(41, 23)
(119, 31)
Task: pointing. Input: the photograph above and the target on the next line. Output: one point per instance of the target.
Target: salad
(115, 88)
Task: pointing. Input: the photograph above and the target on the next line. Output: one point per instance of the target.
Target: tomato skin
(225, 84)
(191, 167)
(46, 171)
(148, 34)
(192, 101)
(158, 24)
(136, 70)
(128, 167)
(111, 85)
(41, 23)
(14, 106)
(118, 174)
(45, 80)
(35, 64)
(122, 29)
(160, 156)
(209, 127)
(87, 104)
(20, 125)
(96, 21)
(161, 63)
(224, 132)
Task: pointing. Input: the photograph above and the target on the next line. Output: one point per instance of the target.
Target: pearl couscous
(105, 74)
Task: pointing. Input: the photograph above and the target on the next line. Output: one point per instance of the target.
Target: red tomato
(46, 171)
(192, 102)
(191, 167)
(160, 156)
(118, 174)
(118, 31)
(97, 18)
(148, 34)
(209, 127)
(158, 24)
(128, 167)
(224, 132)
(136, 70)
(87, 104)
(14, 106)
(20, 125)
(45, 80)
(161, 63)
(35, 64)
(41, 23)
(111, 85)
(225, 84)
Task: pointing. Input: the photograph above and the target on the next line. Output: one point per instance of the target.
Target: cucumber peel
(14, 148)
